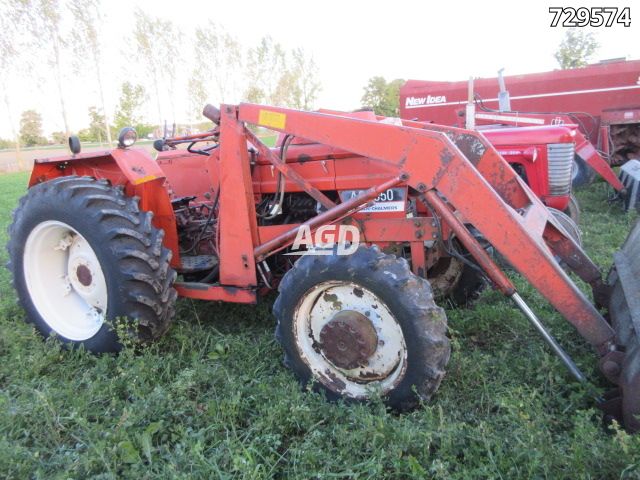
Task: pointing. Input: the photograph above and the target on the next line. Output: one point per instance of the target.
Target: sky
(350, 41)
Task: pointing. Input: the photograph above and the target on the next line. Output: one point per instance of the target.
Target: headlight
(127, 137)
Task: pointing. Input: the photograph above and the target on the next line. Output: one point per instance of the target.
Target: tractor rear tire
(582, 175)
(83, 258)
(362, 325)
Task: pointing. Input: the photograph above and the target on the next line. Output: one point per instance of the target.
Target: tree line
(68, 36)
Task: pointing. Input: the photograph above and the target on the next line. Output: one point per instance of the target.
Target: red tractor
(601, 100)
(543, 158)
(352, 218)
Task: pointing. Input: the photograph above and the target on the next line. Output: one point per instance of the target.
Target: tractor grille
(560, 158)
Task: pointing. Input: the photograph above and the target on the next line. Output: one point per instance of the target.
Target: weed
(212, 399)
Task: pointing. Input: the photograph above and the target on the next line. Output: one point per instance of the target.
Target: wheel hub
(348, 340)
(82, 268)
(65, 280)
(84, 275)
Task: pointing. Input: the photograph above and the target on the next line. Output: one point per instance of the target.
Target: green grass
(269, 140)
(212, 398)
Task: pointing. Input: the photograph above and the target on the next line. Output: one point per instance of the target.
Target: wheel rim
(568, 224)
(65, 280)
(349, 339)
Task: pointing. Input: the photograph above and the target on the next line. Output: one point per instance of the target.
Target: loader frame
(453, 169)
(456, 173)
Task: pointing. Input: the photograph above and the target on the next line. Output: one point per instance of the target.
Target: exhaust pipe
(470, 119)
(212, 113)
(504, 101)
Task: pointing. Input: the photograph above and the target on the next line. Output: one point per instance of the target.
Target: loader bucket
(624, 311)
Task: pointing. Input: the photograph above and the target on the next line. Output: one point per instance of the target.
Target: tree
(6, 144)
(11, 61)
(31, 128)
(197, 92)
(169, 46)
(287, 93)
(266, 64)
(297, 86)
(157, 41)
(219, 58)
(59, 138)
(145, 33)
(44, 21)
(132, 97)
(87, 45)
(383, 97)
(281, 78)
(306, 71)
(85, 135)
(97, 131)
(576, 48)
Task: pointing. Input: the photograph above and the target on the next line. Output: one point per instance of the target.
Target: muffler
(624, 313)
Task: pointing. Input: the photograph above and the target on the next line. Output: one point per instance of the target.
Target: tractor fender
(132, 168)
(135, 164)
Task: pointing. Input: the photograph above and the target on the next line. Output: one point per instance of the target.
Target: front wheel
(573, 209)
(362, 325)
(582, 175)
(83, 257)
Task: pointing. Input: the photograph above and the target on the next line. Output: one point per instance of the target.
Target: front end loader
(363, 224)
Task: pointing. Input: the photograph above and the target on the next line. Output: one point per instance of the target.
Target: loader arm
(587, 152)
(464, 168)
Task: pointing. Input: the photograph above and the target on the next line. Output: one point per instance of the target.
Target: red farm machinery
(601, 100)
(543, 157)
(395, 216)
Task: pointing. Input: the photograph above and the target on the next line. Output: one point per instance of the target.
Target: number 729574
(594, 16)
